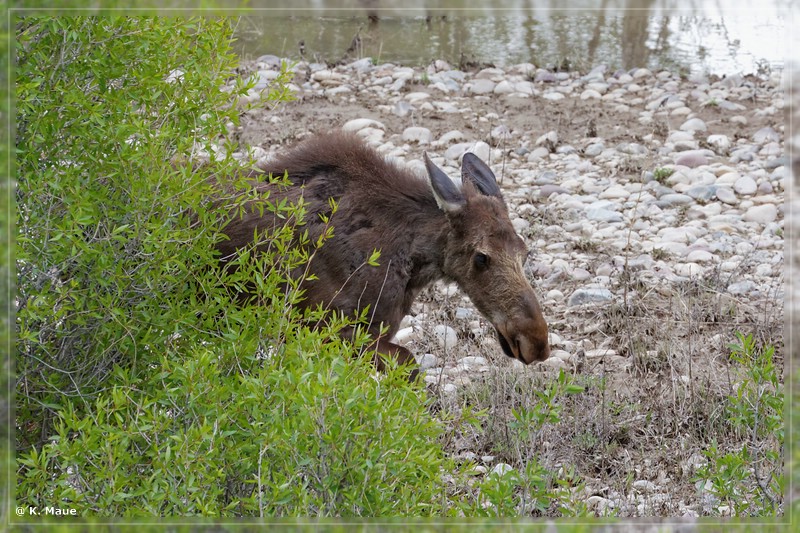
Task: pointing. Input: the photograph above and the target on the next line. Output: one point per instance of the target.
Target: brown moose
(426, 230)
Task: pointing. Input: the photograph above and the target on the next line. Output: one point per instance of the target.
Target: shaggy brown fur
(425, 230)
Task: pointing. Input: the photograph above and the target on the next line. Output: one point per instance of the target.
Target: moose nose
(524, 336)
(532, 349)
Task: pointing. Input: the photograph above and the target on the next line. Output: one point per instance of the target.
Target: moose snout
(523, 335)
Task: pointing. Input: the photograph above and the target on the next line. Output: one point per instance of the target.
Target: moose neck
(429, 236)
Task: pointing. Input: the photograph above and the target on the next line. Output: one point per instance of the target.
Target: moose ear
(447, 194)
(479, 174)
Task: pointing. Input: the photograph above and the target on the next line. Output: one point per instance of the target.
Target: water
(709, 41)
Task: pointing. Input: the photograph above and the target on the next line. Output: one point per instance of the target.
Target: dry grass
(657, 378)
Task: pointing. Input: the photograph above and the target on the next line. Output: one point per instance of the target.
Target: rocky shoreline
(701, 192)
(653, 204)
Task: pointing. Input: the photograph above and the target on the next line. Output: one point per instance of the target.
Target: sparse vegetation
(585, 245)
(662, 173)
(659, 254)
(747, 478)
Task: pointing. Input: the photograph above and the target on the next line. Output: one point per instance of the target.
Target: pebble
(594, 149)
(417, 134)
(676, 199)
(763, 214)
(362, 123)
(473, 360)
(550, 189)
(482, 86)
(426, 361)
(765, 135)
(602, 214)
(553, 96)
(703, 192)
(742, 287)
(589, 295)
(456, 151)
(700, 256)
(602, 506)
(745, 186)
(405, 335)
(726, 195)
(450, 136)
(721, 143)
(501, 469)
(446, 336)
(692, 158)
(693, 124)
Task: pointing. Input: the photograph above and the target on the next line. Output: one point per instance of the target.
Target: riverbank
(653, 206)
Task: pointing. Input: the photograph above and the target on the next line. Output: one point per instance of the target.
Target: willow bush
(141, 389)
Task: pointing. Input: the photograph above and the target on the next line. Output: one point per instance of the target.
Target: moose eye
(481, 260)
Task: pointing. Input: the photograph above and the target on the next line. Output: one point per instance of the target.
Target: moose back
(426, 230)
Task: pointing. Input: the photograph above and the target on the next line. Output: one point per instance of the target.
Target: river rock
(446, 336)
(548, 189)
(417, 134)
(700, 256)
(683, 234)
(693, 124)
(553, 96)
(524, 87)
(673, 199)
(721, 143)
(594, 149)
(745, 186)
(742, 287)
(402, 108)
(452, 135)
(692, 158)
(473, 360)
(501, 469)
(702, 192)
(504, 87)
(544, 76)
(643, 485)
(601, 214)
(455, 151)
(405, 335)
(426, 361)
(482, 86)
(360, 123)
(482, 150)
(726, 195)
(763, 214)
(765, 135)
(615, 192)
(589, 295)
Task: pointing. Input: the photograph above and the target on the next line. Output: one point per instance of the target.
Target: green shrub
(142, 389)
(749, 478)
(662, 173)
(106, 249)
(6, 280)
